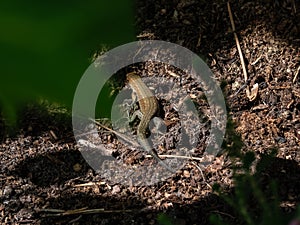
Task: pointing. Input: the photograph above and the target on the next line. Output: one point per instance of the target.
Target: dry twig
(296, 74)
(253, 93)
(85, 210)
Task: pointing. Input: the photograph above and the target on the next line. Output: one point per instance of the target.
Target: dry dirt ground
(42, 169)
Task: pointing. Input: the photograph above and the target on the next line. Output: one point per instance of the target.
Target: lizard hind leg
(137, 114)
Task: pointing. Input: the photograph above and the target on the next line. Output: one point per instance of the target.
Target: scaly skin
(148, 107)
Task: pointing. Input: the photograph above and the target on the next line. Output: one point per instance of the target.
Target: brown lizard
(148, 107)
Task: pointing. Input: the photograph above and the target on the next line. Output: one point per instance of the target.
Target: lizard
(148, 108)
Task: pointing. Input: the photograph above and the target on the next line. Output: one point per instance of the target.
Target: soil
(43, 173)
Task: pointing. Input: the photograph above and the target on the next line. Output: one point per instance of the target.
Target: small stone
(186, 174)
(116, 189)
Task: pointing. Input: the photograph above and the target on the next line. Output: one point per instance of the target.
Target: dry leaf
(253, 94)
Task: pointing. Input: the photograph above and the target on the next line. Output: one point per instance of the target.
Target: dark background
(45, 46)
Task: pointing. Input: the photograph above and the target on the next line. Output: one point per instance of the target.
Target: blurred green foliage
(164, 219)
(253, 202)
(45, 46)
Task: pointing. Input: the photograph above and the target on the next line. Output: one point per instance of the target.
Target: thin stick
(134, 143)
(137, 145)
(297, 72)
(179, 157)
(223, 213)
(237, 43)
(90, 184)
(58, 212)
(198, 167)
